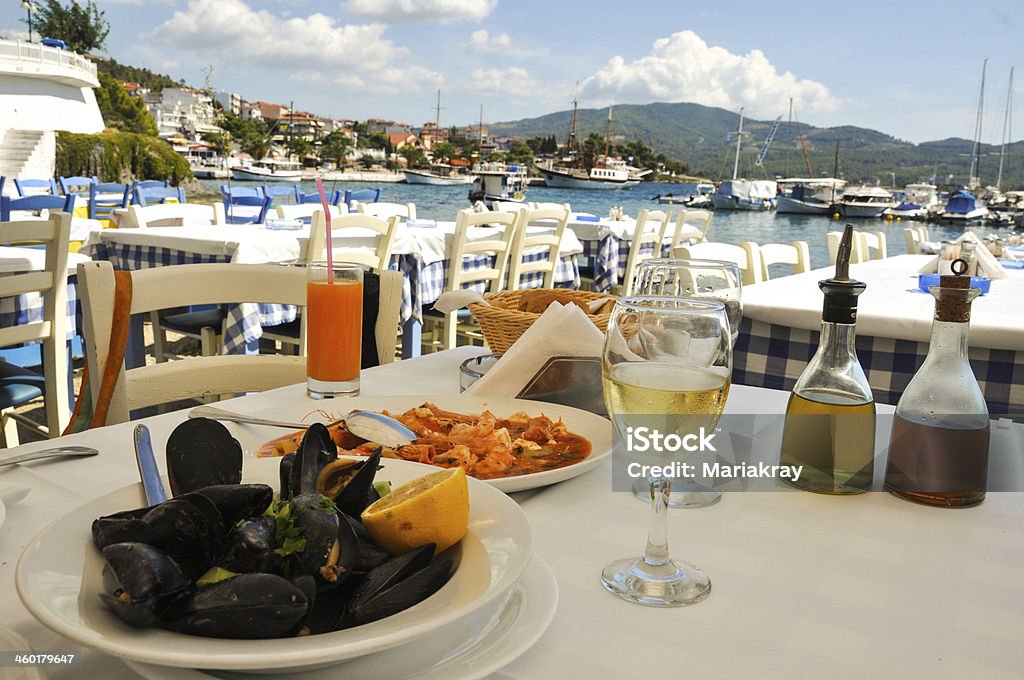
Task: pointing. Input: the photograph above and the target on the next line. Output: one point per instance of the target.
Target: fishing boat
(608, 172)
(963, 208)
(802, 196)
(267, 170)
(920, 202)
(743, 194)
(865, 201)
(493, 182)
(439, 174)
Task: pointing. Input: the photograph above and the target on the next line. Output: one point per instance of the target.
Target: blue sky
(908, 69)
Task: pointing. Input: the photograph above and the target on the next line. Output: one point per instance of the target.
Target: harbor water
(735, 227)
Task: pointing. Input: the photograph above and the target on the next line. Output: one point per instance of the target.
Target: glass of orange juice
(334, 330)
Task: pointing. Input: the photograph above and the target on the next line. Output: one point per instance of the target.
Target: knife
(148, 471)
(47, 453)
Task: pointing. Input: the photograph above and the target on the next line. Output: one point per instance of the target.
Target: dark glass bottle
(938, 451)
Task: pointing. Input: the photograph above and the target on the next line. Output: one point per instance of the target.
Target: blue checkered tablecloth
(18, 310)
(609, 256)
(245, 321)
(773, 356)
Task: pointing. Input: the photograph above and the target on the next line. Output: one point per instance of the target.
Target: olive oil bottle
(830, 418)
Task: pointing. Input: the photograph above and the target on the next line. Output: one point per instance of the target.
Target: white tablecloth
(805, 586)
(242, 244)
(892, 306)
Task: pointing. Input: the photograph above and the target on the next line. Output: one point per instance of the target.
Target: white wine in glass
(666, 365)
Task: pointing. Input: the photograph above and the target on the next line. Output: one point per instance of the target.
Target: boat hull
(250, 175)
(561, 180)
(793, 206)
(729, 202)
(414, 177)
(861, 211)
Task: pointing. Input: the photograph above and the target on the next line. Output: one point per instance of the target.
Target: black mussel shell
(149, 581)
(239, 501)
(393, 571)
(404, 594)
(316, 450)
(350, 484)
(371, 555)
(247, 606)
(285, 473)
(250, 546)
(185, 531)
(329, 609)
(201, 452)
(315, 515)
(122, 527)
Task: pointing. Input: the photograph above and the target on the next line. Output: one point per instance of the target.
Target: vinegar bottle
(938, 451)
(830, 418)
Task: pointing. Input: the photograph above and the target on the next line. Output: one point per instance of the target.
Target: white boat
(800, 196)
(920, 202)
(743, 194)
(865, 201)
(963, 208)
(267, 170)
(495, 182)
(436, 176)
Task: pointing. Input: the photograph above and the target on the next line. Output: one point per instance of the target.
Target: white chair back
(407, 211)
(52, 284)
(866, 246)
(193, 377)
(651, 228)
(552, 221)
(796, 254)
(747, 257)
(375, 252)
(691, 224)
(172, 215)
(510, 206)
(302, 211)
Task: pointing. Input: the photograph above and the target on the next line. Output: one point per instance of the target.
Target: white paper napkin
(562, 330)
(988, 265)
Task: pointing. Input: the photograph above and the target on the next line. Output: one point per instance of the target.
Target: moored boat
(963, 208)
(494, 182)
(743, 194)
(809, 196)
(920, 202)
(865, 201)
(267, 170)
(437, 175)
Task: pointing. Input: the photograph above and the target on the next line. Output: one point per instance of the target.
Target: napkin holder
(569, 381)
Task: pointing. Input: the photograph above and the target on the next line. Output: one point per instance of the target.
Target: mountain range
(705, 138)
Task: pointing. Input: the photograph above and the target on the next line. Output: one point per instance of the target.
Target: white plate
(595, 428)
(472, 648)
(59, 578)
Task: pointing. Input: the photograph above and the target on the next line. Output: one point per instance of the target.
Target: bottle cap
(841, 291)
(954, 294)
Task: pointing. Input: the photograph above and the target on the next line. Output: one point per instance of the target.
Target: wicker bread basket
(502, 323)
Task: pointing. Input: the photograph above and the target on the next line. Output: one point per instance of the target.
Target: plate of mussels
(258, 564)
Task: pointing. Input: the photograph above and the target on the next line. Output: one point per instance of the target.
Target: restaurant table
(804, 585)
(419, 251)
(606, 244)
(782, 322)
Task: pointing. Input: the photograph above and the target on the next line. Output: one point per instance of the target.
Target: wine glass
(696, 279)
(666, 365)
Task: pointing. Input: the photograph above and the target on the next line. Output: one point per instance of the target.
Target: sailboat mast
(739, 136)
(572, 125)
(1006, 129)
(608, 134)
(973, 179)
(803, 144)
(437, 119)
(480, 142)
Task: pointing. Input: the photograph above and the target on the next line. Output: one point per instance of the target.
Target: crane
(767, 142)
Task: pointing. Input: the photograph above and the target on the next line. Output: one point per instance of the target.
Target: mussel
(250, 547)
(201, 452)
(349, 483)
(122, 527)
(148, 582)
(398, 584)
(246, 606)
(189, 530)
(238, 501)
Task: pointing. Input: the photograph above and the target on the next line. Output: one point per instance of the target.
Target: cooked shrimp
(458, 455)
(497, 460)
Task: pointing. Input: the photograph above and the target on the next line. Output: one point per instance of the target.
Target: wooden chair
(554, 219)
(154, 195)
(247, 209)
(104, 197)
(35, 204)
(305, 211)
(361, 195)
(314, 197)
(642, 236)
(866, 246)
(172, 215)
(35, 187)
(913, 237)
(798, 255)
(192, 377)
(72, 185)
(20, 385)
(476, 234)
(691, 224)
(376, 256)
(747, 257)
(406, 211)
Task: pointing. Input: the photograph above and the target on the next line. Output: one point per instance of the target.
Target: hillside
(704, 138)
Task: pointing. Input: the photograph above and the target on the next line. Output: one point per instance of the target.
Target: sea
(443, 202)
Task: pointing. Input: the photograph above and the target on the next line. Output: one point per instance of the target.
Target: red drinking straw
(327, 217)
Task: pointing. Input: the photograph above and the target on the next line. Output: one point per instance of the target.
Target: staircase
(19, 155)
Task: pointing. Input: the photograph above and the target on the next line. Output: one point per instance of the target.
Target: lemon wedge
(430, 509)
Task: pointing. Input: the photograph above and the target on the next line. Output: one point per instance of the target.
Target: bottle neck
(838, 339)
(949, 339)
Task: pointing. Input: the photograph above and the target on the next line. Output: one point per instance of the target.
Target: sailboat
(743, 194)
(808, 195)
(439, 174)
(608, 172)
(963, 206)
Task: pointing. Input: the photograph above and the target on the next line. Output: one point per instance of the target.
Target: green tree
(252, 136)
(336, 145)
(83, 28)
(299, 146)
(443, 152)
(220, 142)
(120, 110)
(413, 155)
(521, 153)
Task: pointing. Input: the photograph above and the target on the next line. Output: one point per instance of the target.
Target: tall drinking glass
(666, 361)
(695, 279)
(334, 325)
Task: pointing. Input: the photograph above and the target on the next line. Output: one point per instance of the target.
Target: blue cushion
(193, 322)
(18, 385)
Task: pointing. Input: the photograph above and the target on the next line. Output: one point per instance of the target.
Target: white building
(42, 90)
(230, 101)
(181, 112)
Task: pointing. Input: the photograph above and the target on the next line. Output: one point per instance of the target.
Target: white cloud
(314, 48)
(482, 41)
(684, 68)
(411, 11)
(508, 81)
